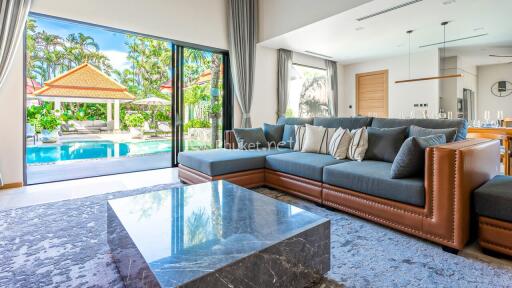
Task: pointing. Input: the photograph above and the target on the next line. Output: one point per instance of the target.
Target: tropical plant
(135, 120)
(49, 121)
(196, 123)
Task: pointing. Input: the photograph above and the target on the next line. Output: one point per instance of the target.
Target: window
(308, 92)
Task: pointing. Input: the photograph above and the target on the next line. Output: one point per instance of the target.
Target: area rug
(63, 244)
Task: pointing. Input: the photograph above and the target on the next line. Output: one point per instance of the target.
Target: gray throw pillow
(250, 138)
(449, 133)
(288, 136)
(410, 160)
(273, 133)
(384, 143)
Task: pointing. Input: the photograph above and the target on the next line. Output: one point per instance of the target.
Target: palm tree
(48, 54)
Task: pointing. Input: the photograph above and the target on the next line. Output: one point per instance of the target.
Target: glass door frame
(177, 115)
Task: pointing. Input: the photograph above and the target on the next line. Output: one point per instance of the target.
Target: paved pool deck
(95, 167)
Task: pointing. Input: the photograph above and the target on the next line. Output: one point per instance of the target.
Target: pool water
(81, 150)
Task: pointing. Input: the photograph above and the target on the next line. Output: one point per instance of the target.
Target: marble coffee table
(216, 234)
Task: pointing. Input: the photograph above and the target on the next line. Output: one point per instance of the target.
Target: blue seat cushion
(224, 161)
(373, 178)
(307, 165)
(494, 198)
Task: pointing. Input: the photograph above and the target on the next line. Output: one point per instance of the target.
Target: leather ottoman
(493, 203)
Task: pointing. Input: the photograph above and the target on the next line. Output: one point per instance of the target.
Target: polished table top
(495, 130)
(187, 231)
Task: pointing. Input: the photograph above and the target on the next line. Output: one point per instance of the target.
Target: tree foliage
(49, 55)
(150, 61)
(310, 104)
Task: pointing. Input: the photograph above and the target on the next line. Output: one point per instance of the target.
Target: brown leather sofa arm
(452, 172)
(230, 140)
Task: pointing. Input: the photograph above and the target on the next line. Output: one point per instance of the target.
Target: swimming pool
(82, 150)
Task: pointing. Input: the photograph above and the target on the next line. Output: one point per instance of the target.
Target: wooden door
(372, 93)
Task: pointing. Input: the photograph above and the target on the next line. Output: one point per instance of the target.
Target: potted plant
(135, 123)
(49, 124)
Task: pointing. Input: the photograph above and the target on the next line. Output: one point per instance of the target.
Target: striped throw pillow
(317, 139)
(300, 132)
(358, 144)
(340, 142)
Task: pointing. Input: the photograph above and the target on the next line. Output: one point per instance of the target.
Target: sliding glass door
(103, 101)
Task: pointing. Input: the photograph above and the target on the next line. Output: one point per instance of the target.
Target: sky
(111, 43)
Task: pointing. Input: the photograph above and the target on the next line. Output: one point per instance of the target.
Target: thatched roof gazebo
(86, 84)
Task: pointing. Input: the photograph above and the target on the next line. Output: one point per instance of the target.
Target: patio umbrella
(154, 102)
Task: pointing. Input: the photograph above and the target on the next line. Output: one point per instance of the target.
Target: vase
(135, 132)
(49, 136)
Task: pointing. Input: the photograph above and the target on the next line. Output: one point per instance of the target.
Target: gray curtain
(242, 27)
(332, 86)
(13, 14)
(284, 66)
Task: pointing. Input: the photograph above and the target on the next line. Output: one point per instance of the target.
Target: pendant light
(409, 32)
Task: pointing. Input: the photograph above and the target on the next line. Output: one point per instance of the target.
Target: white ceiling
(350, 41)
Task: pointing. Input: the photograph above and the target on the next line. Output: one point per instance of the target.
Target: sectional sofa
(435, 207)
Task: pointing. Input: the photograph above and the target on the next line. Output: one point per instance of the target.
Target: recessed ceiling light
(448, 2)
(359, 28)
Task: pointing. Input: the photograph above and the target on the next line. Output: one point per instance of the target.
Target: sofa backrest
(350, 123)
(294, 121)
(460, 124)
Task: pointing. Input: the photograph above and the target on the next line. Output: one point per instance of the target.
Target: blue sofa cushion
(384, 143)
(350, 123)
(273, 133)
(224, 161)
(410, 160)
(460, 124)
(289, 136)
(250, 138)
(449, 133)
(294, 121)
(307, 165)
(372, 177)
(494, 198)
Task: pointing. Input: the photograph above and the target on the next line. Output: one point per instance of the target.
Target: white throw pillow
(358, 144)
(340, 142)
(300, 132)
(317, 139)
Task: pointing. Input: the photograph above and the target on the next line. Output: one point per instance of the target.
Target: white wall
(487, 76)
(196, 21)
(282, 16)
(11, 122)
(401, 97)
